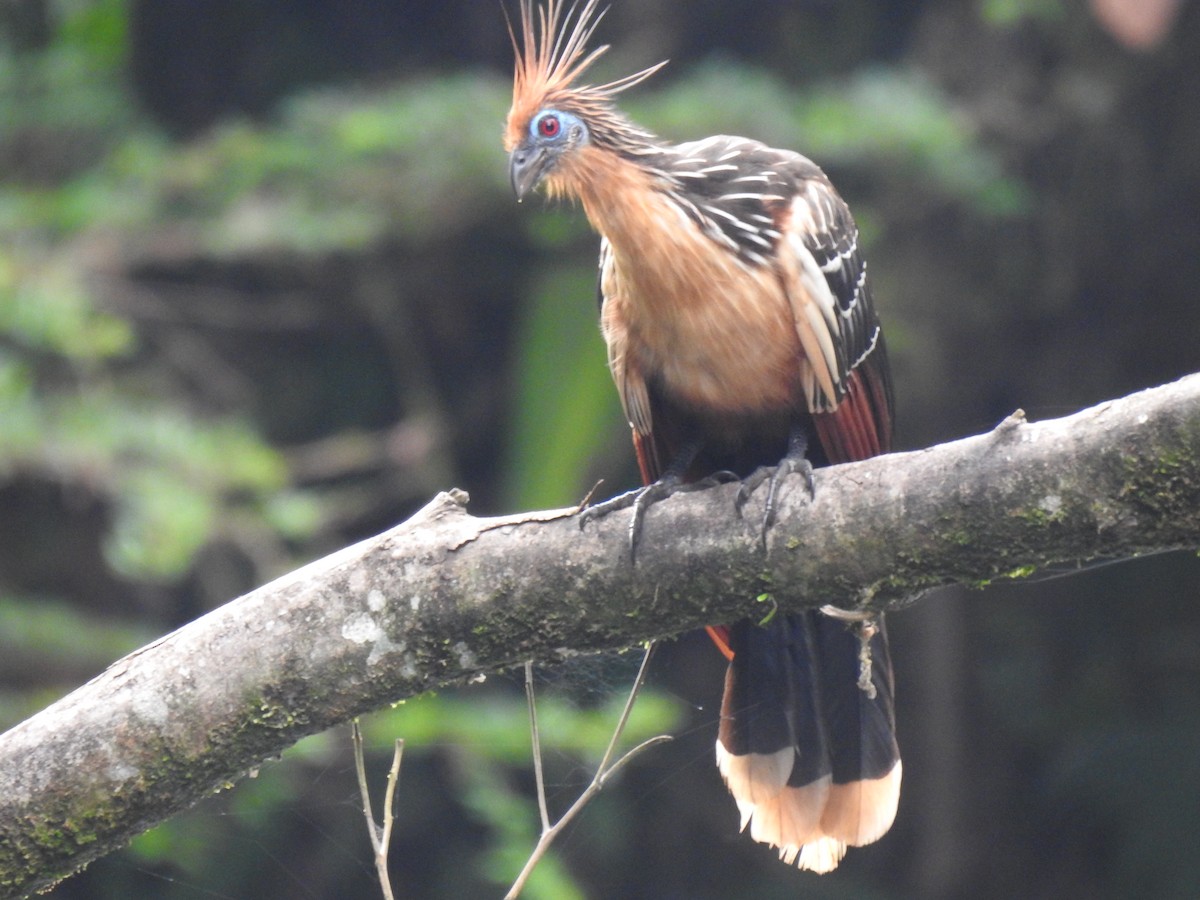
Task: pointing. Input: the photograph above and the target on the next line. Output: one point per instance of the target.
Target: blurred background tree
(264, 290)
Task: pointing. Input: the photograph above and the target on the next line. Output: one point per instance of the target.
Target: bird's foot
(795, 461)
(641, 499)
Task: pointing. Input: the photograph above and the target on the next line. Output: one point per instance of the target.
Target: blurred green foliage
(48, 631)
(483, 737)
(74, 83)
(173, 479)
(499, 727)
(41, 635)
(1006, 13)
(881, 116)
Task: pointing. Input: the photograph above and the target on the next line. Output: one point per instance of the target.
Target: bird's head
(551, 136)
(552, 118)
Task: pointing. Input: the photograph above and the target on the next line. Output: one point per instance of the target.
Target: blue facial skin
(552, 132)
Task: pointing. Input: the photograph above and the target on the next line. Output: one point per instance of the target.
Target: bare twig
(389, 813)
(536, 736)
(604, 771)
(381, 835)
(587, 498)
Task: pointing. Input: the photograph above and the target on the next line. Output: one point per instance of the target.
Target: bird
(743, 341)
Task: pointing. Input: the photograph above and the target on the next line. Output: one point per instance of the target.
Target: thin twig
(603, 772)
(381, 836)
(389, 813)
(587, 498)
(633, 693)
(536, 735)
(360, 767)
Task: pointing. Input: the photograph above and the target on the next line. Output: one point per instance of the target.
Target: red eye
(549, 126)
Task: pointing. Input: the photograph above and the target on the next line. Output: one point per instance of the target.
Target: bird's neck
(663, 265)
(620, 197)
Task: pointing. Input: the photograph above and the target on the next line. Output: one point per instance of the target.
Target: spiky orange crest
(551, 54)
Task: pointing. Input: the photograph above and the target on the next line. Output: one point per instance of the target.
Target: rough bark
(446, 596)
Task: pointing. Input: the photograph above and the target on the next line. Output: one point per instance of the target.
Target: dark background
(264, 291)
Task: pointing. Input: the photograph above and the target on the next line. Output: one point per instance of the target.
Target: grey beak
(526, 167)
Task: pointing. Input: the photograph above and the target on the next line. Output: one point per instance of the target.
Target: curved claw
(750, 484)
(612, 505)
(641, 499)
(794, 462)
(787, 467)
(649, 495)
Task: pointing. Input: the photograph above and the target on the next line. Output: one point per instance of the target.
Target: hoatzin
(741, 333)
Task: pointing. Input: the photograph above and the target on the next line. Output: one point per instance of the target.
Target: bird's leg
(641, 499)
(795, 460)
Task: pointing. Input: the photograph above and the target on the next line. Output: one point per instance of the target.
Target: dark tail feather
(808, 752)
(859, 709)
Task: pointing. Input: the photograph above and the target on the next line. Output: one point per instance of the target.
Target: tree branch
(446, 596)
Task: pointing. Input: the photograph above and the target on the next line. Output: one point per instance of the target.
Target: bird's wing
(848, 384)
(777, 208)
(631, 385)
